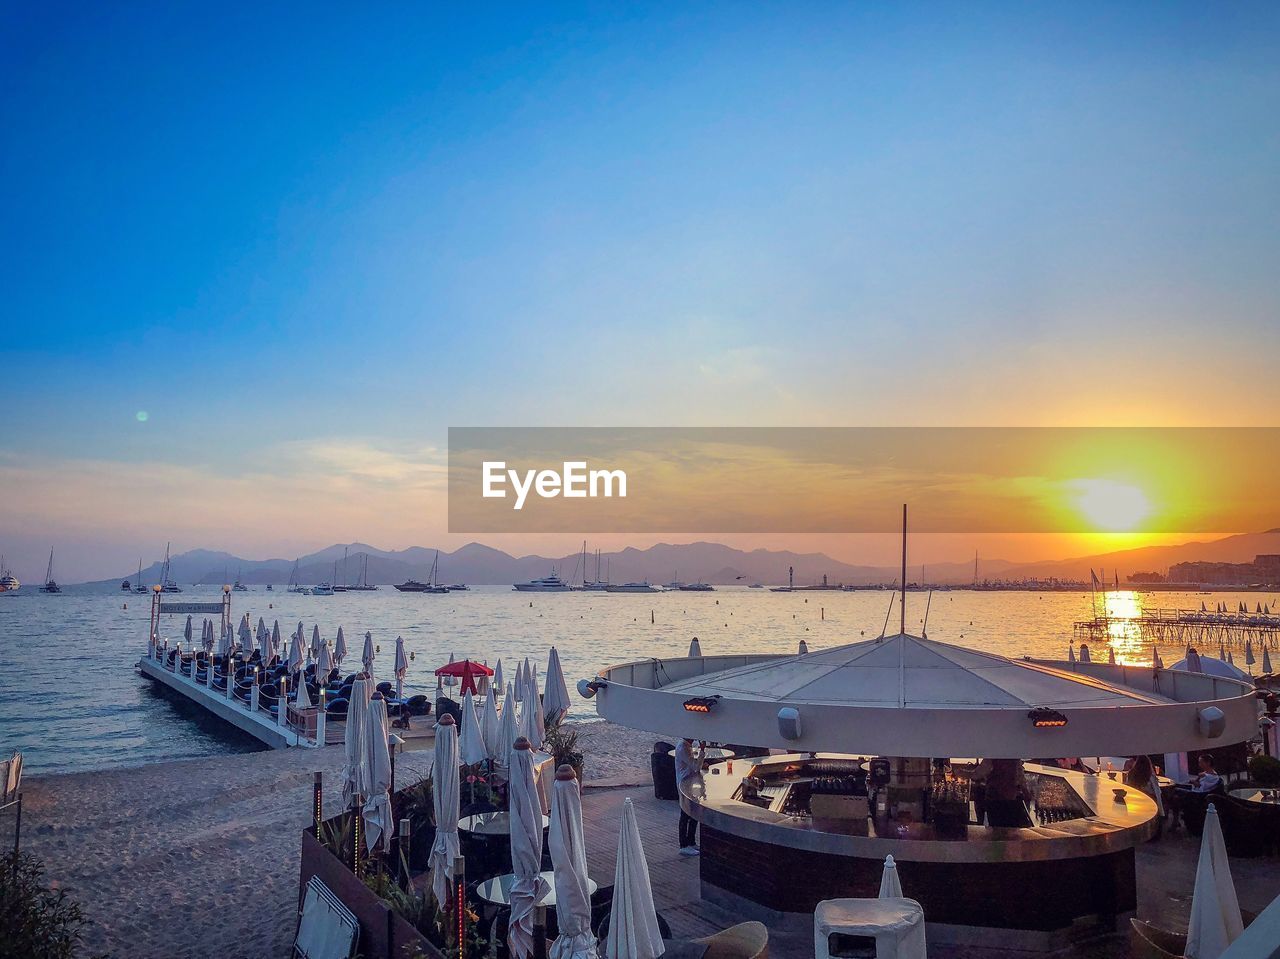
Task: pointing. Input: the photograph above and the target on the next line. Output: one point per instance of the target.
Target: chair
(327, 929)
(418, 705)
(746, 940)
(1245, 827)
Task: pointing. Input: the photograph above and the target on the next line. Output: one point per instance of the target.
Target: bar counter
(1015, 883)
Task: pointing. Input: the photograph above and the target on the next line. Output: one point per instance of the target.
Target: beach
(199, 858)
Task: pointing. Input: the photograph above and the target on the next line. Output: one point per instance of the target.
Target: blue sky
(305, 240)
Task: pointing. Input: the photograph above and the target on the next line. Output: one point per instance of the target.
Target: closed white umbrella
(1266, 661)
(556, 702)
(324, 665)
(224, 642)
(445, 798)
(303, 699)
(802, 648)
(1248, 653)
(402, 666)
(1071, 654)
(1215, 911)
(890, 884)
(246, 633)
(532, 725)
(276, 643)
(1156, 661)
(366, 657)
(498, 683)
(355, 770)
(695, 649)
(340, 648)
(633, 922)
(187, 631)
(264, 643)
(296, 656)
(508, 732)
(1111, 655)
(491, 726)
(315, 640)
(526, 850)
(471, 746)
(569, 861)
(1084, 654)
(377, 807)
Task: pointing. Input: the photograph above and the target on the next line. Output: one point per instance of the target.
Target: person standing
(688, 770)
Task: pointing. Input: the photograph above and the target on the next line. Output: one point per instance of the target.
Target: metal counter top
(1112, 827)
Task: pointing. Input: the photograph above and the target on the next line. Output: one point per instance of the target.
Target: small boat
(50, 584)
(642, 587)
(125, 587)
(697, 588)
(268, 587)
(459, 588)
(239, 587)
(322, 589)
(756, 586)
(546, 584)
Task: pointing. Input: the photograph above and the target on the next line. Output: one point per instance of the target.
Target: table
(709, 754)
(491, 824)
(498, 889)
(1256, 795)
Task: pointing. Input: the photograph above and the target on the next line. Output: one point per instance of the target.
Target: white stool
(895, 925)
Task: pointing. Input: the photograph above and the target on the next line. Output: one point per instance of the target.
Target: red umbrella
(467, 670)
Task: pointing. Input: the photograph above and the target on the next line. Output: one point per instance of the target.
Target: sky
(257, 261)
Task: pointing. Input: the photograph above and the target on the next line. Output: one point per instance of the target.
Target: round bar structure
(781, 833)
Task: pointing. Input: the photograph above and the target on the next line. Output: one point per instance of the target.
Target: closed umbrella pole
(402, 666)
(508, 733)
(633, 921)
(569, 862)
(492, 725)
(1215, 911)
(890, 884)
(533, 726)
(377, 806)
(445, 798)
(499, 684)
(555, 702)
(340, 647)
(471, 745)
(356, 781)
(526, 850)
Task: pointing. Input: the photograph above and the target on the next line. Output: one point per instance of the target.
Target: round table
(491, 824)
(498, 889)
(1256, 795)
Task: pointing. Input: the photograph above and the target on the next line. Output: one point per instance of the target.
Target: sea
(72, 700)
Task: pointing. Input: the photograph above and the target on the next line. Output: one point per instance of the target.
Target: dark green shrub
(35, 921)
(1265, 770)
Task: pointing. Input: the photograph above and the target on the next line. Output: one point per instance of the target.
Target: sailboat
(240, 587)
(166, 584)
(341, 587)
(363, 586)
(50, 584)
(138, 586)
(596, 585)
(294, 587)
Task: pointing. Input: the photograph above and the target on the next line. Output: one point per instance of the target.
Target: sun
(1111, 506)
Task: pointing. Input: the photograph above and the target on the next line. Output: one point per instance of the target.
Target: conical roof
(910, 671)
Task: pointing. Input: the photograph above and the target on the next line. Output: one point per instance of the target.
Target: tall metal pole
(903, 622)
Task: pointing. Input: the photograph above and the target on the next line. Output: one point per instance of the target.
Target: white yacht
(8, 582)
(322, 589)
(547, 584)
(641, 587)
(697, 588)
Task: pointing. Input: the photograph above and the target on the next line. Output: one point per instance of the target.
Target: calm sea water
(70, 698)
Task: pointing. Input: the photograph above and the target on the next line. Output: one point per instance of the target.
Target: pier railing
(196, 675)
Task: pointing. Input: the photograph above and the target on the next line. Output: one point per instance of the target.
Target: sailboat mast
(903, 620)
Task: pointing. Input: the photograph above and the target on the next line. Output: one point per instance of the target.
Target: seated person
(1208, 780)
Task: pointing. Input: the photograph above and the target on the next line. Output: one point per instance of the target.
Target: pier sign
(191, 607)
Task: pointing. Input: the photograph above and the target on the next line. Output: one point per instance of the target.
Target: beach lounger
(326, 929)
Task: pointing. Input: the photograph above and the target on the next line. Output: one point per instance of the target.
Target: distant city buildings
(1263, 571)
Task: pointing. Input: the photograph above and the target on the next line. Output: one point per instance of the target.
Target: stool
(870, 928)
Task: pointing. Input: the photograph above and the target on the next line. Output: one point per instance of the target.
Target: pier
(1182, 627)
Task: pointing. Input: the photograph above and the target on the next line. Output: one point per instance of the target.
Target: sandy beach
(200, 858)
